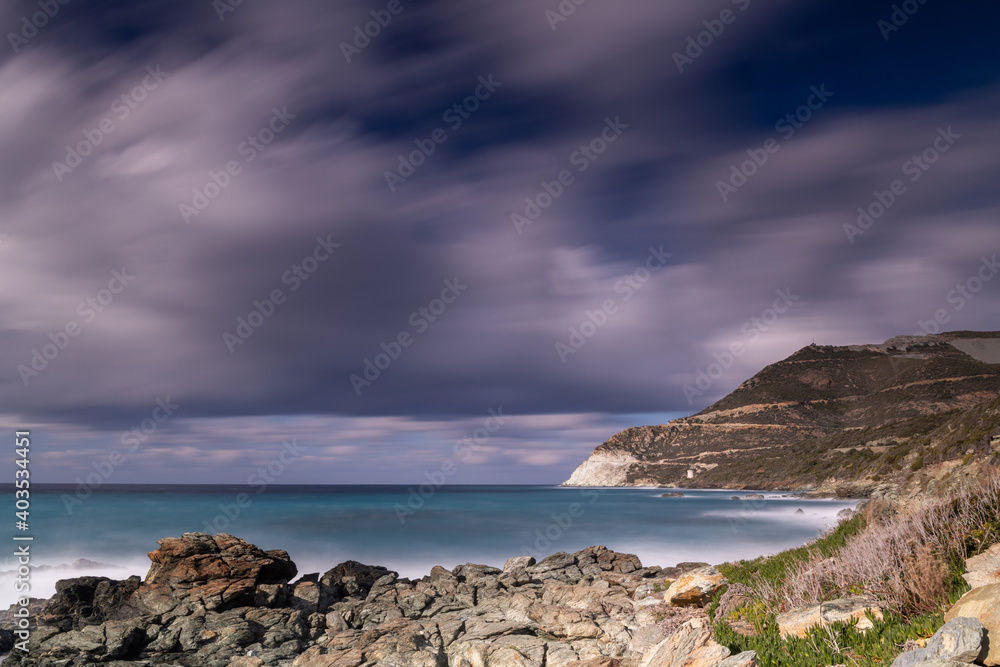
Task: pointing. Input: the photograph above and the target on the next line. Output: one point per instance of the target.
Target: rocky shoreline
(217, 601)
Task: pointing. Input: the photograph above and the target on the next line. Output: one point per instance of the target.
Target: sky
(377, 241)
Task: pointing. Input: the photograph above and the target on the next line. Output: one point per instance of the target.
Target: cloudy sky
(562, 216)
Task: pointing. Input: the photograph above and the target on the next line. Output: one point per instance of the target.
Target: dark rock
(352, 579)
(89, 601)
(672, 495)
(6, 641)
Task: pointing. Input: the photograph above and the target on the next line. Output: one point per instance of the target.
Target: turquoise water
(394, 526)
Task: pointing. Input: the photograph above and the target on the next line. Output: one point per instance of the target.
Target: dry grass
(900, 559)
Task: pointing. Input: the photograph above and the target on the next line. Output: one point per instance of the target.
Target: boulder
(984, 569)
(961, 640)
(88, 601)
(691, 645)
(518, 561)
(745, 659)
(695, 588)
(798, 621)
(676, 494)
(197, 558)
(982, 604)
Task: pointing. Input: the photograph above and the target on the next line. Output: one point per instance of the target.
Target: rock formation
(890, 419)
(217, 601)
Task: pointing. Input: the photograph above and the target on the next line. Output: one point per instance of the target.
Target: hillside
(897, 418)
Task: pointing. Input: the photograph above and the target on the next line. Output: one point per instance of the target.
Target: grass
(838, 643)
(774, 569)
(909, 563)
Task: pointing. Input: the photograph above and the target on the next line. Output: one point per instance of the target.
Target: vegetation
(910, 563)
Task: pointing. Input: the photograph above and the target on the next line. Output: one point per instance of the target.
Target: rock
(695, 587)
(688, 566)
(198, 557)
(982, 604)
(691, 645)
(351, 579)
(754, 496)
(798, 621)
(845, 514)
(745, 659)
(984, 569)
(88, 601)
(961, 640)
(676, 494)
(6, 641)
(518, 561)
(800, 511)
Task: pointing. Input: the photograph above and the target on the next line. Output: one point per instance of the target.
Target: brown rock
(798, 621)
(695, 587)
(196, 558)
(691, 645)
(984, 569)
(984, 604)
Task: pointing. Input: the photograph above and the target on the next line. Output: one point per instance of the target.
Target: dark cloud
(323, 177)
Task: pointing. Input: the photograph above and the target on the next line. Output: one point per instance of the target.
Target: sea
(408, 529)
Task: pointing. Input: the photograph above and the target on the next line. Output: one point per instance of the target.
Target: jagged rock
(745, 659)
(982, 604)
(984, 569)
(691, 645)
(695, 587)
(960, 640)
(845, 514)
(88, 601)
(518, 562)
(798, 621)
(6, 640)
(675, 494)
(198, 557)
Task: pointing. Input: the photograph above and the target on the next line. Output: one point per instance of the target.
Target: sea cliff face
(915, 414)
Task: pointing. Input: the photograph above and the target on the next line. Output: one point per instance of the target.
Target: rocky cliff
(908, 416)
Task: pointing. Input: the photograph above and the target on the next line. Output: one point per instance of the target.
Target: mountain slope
(851, 420)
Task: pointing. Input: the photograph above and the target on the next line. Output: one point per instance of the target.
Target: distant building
(690, 474)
